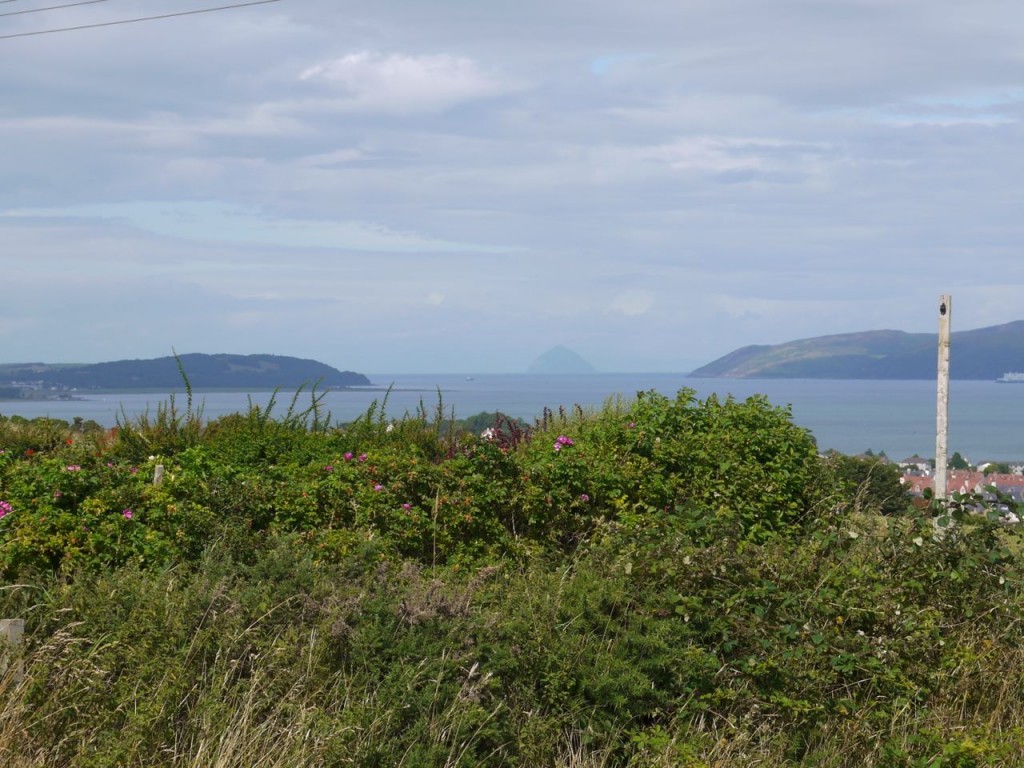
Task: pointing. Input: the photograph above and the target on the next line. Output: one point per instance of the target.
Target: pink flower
(348, 456)
(378, 487)
(632, 425)
(73, 468)
(584, 497)
(5, 509)
(407, 506)
(127, 514)
(134, 470)
(558, 447)
(362, 457)
(329, 468)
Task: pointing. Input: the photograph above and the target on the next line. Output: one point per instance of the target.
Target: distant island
(981, 354)
(220, 371)
(560, 360)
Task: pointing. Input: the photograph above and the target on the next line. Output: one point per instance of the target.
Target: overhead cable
(133, 21)
(52, 7)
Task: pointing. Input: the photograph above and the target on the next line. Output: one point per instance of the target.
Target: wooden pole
(11, 632)
(942, 406)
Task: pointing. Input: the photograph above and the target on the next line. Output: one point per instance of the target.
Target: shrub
(745, 460)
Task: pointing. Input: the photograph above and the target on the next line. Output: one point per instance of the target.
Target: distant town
(35, 390)
(1004, 478)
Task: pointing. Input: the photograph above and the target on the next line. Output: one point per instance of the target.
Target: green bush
(743, 460)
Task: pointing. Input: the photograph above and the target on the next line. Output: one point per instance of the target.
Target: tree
(957, 461)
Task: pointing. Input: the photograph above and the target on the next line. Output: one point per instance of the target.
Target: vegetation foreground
(664, 582)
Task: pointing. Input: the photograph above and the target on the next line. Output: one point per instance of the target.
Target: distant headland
(203, 371)
(981, 354)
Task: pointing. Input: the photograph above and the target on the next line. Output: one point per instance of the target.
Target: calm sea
(986, 420)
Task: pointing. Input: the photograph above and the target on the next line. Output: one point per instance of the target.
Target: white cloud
(632, 303)
(718, 154)
(707, 153)
(158, 131)
(217, 222)
(400, 83)
(335, 158)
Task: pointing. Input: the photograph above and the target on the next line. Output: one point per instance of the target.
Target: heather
(660, 582)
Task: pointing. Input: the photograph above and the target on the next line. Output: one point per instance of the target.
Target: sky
(402, 186)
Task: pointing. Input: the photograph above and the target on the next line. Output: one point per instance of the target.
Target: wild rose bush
(63, 516)
(413, 488)
(743, 460)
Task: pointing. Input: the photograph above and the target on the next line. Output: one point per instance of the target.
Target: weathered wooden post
(942, 407)
(158, 475)
(11, 632)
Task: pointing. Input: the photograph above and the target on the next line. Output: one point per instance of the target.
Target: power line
(133, 21)
(52, 7)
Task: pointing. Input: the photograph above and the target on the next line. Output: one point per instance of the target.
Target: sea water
(986, 419)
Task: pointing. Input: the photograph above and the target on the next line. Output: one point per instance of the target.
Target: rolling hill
(982, 353)
(221, 371)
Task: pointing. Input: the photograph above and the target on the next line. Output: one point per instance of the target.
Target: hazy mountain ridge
(560, 360)
(203, 371)
(982, 353)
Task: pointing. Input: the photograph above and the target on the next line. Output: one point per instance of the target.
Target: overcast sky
(459, 185)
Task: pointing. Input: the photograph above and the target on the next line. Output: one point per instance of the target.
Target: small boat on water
(1011, 377)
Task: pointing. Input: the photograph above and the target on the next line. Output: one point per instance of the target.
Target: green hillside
(983, 353)
(203, 371)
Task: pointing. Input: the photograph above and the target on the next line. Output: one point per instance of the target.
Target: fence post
(11, 632)
(158, 475)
